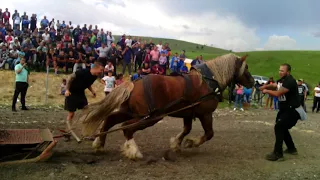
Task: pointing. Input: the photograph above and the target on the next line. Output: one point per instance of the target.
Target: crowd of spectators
(65, 47)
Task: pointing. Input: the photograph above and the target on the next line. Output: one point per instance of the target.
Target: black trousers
(21, 88)
(302, 103)
(285, 120)
(316, 104)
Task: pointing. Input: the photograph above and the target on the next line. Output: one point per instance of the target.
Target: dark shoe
(14, 110)
(24, 108)
(274, 157)
(291, 151)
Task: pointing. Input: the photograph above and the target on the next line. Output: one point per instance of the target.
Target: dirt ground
(236, 152)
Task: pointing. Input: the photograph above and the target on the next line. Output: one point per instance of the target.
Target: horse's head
(242, 74)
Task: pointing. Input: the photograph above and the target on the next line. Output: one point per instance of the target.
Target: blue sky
(240, 25)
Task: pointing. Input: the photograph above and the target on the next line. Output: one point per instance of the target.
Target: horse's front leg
(206, 122)
(113, 119)
(175, 142)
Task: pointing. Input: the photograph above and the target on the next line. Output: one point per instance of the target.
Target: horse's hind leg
(175, 142)
(113, 119)
(130, 148)
(206, 122)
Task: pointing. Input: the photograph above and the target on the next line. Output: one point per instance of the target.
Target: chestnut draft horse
(152, 96)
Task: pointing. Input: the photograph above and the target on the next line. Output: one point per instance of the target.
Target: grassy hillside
(305, 64)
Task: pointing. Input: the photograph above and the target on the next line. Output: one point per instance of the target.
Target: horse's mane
(223, 68)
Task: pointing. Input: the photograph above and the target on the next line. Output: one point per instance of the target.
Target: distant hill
(305, 64)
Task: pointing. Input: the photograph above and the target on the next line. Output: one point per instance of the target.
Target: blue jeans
(247, 98)
(275, 102)
(238, 100)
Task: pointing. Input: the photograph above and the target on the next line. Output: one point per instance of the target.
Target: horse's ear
(243, 58)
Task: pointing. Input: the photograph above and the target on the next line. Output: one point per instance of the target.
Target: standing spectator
(269, 97)
(6, 16)
(276, 103)
(25, 23)
(128, 42)
(154, 56)
(257, 93)
(174, 63)
(44, 22)
(127, 58)
(163, 62)
(103, 52)
(138, 55)
(247, 95)
(316, 99)
(1, 16)
(239, 97)
(21, 84)
(302, 94)
(110, 38)
(33, 22)
(109, 81)
(63, 87)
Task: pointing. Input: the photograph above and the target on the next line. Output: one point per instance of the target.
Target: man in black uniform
(77, 83)
(302, 94)
(287, 117)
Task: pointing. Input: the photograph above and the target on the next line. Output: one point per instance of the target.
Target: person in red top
(6, 16)
(156, 69)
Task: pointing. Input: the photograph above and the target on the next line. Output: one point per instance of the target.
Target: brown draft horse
(127, 104)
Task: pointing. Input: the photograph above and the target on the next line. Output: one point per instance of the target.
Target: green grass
(305, 64)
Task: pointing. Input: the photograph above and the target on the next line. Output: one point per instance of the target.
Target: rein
(147, 118)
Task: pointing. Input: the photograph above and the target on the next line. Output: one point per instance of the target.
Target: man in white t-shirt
(129, 42)
(316, 99)
(160, 46)
(103, 52)
(46, 36)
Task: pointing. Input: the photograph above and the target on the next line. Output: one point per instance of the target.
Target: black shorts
(74, 102)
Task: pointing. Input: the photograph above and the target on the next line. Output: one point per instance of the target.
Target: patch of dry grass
(36, 94)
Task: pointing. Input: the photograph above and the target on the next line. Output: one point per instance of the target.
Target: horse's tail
(96, 113)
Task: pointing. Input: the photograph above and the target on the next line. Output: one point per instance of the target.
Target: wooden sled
(25, 145)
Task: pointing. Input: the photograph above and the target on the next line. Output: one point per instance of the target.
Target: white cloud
(276, 42)
(144, 18)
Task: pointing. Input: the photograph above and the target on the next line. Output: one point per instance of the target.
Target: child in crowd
(163, 62)
(184, 69)
(109, 81)
(63, 86)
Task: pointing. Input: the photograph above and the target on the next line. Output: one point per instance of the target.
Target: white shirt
(103, 51)
(316, 94)
(128, 42)
(109, 83)
(107, 68)
(17, 20)
(45, 36)
(159, 47)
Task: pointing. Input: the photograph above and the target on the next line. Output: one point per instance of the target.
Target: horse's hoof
(174, 145)
(131, 150)
(188, 143)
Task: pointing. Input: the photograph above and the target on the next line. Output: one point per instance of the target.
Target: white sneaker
(241, 109)
(234, 109)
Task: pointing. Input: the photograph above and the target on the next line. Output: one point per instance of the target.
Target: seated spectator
(196, 61)
(109, 67)
(63, 86)
(119, 79)
(136, 75)
(4, 55)
(184, 69)
(145, 69)
(156, 69)
(80, 58)
(51, 60)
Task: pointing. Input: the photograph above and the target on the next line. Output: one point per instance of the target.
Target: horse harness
(213, 86)
(148, 95)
